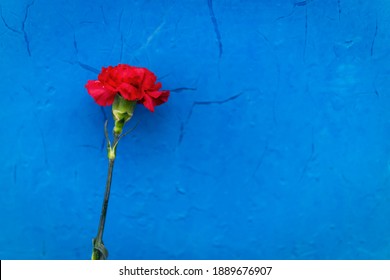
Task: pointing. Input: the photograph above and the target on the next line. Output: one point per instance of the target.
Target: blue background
(275, 142)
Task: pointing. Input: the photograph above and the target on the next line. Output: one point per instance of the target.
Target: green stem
(99, 252)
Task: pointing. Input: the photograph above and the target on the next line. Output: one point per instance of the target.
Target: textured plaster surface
(275, 143)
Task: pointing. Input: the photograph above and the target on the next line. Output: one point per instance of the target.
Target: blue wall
(275, 143)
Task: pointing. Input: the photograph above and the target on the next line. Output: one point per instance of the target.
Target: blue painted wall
(275, 143)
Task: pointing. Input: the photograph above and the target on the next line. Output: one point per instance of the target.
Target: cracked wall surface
(275, 143)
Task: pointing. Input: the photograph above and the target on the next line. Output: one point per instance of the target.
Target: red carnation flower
(132, 83)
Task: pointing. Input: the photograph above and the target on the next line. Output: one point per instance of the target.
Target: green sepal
(122, 111)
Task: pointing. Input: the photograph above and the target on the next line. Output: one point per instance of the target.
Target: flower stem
(99, 252)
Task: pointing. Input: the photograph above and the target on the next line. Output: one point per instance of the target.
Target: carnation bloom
(132, 83)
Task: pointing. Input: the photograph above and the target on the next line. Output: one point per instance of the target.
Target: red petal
(149, 80)
(156, 87)
(159, 97)
(147, 101)
(129, 92)
(163, 97)
(102, 96)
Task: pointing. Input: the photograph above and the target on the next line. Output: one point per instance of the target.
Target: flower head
(130, 82)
